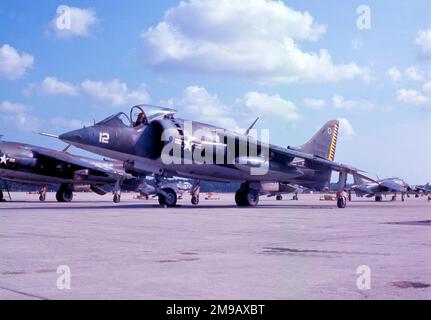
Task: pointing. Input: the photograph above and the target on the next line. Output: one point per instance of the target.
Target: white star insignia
(187, 143)
(3, 159)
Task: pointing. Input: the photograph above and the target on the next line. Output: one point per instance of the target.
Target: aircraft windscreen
(117, 120)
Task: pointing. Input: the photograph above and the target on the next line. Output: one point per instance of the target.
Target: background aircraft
(36, 165)
(379, 188)
(137, 140)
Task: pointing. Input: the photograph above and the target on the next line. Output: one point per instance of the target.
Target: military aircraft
(284, 189)
(377, 189)
(152, 141)
(41, 166)
(421, 190)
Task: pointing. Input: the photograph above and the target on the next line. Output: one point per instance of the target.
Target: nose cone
(75, 136)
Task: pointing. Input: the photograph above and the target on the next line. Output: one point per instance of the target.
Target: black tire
(1, 196)
(341, 202)
(239, 199)
(117, 198)
(64, 195)
(279, 197)
(252, 198)
(378, 198)
(295, 198)
(162, 200)
(42, 198)
(195, 200)
(171, 199)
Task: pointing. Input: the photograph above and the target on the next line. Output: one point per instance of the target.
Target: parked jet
(280, 189)
(377, 189)
(41, 166)
(151, 140)
(421, 189)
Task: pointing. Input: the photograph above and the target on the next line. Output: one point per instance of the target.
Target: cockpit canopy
(139, 115)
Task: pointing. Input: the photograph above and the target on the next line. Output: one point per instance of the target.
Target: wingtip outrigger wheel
(195, 190)
(341, 198)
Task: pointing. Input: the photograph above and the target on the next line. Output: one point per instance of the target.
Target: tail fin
(323, 143)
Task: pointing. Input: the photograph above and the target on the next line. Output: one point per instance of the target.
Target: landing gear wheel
(248, 198)
(195, 200)
(64, 194)
(239, 199)
(170, 199)
(341, 202)
(1, 196)
(117, 198)
(42, 197)
(252, 198)
(295, 197)
(378, 198)
(279, 197)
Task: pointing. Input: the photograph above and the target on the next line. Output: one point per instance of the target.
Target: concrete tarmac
(305, 249)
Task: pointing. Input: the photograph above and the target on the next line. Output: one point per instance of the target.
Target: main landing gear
(168, 197)
(1, 196)
(378, 198)
(64, 193)
(246, 197)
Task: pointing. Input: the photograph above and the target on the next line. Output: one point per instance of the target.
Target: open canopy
(138, 112)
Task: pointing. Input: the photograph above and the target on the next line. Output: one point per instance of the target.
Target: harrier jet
(41, 166)
(377, 189)
(151, 140)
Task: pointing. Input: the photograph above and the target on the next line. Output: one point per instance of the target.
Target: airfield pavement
(305, 249)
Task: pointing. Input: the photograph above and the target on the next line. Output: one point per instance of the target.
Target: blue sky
(226, 62)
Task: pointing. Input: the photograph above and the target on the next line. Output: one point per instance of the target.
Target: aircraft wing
(282, 154)
(83, 162)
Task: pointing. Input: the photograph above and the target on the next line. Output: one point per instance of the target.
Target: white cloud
(22, 121)
(198, 104)
(14, 65)
(394, 74)
(414, 74)
(423, 40)
(346, 129)
(115, 93)
(249, 38)
(63, 123)
(81, 20)
(263, 105)
(411, 97)
(15, 114)
(427, 88)
(314, 103)
(12, 107)
(340, 103)
(51, 86)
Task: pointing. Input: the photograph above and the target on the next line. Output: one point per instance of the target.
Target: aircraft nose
(74, 136)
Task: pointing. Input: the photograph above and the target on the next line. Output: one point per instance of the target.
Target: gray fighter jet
(152, 141)
(376, 189)
(41, 166)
